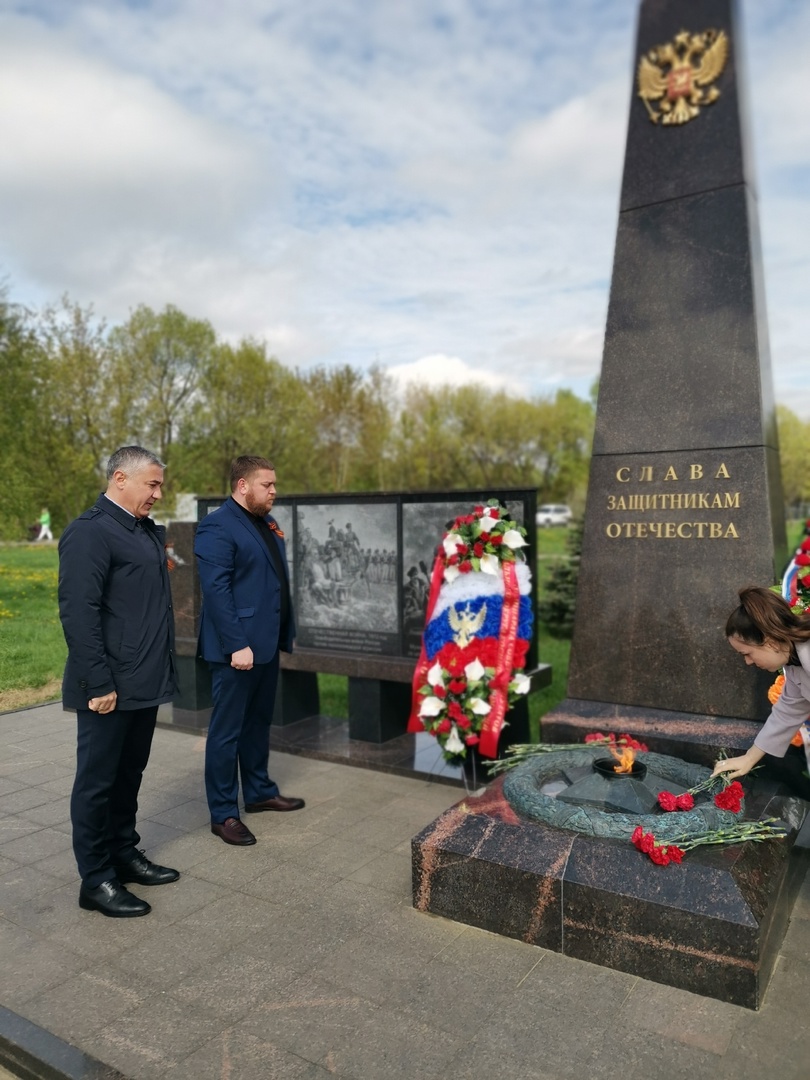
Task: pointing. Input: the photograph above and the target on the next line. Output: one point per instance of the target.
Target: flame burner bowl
(607, 767)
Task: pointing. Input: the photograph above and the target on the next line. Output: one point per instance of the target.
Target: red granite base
(712, 925)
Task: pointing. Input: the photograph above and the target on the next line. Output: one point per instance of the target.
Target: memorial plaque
(347, 594)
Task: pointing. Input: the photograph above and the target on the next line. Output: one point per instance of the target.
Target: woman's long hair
(763, 615)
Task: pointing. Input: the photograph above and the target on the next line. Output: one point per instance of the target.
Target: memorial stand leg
(191, 708)
(378, 710)
(297, 697)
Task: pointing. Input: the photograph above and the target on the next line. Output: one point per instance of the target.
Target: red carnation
(457, 686)
(439, 692)
(634, 744)
(496, 539)
(730, 798)
(647, 843)
(685, 801)
(479, 511)
(455, 711)
(637, 837)
(484, 537)
(675, 853)
(596, 736)
(659, 855)
(494, 512)
(444, 727)
(463, 722)
(462, 549)
(802, 560)
(465, 567)
(471, 740)
(478, 549)
(667, 801)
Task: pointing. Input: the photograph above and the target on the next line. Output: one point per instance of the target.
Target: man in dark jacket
(116, 611)
(246, 618)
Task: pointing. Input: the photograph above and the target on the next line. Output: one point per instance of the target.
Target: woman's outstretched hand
(739, 766)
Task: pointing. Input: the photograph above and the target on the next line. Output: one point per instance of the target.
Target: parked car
(552, 514)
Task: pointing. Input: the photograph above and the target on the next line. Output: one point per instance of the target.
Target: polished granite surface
(419, 756)
(712, 925)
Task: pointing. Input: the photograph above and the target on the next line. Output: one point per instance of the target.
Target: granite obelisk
(684, 501)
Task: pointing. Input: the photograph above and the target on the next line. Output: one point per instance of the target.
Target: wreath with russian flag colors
(478, 628)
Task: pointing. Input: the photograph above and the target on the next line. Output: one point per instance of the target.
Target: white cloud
(440, 370)
(107, 169)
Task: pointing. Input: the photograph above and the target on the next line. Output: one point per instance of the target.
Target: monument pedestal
(712, 925)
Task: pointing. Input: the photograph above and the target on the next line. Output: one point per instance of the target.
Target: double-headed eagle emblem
(466, 624)
(682, 73)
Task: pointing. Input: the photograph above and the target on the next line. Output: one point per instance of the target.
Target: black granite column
(684, 500)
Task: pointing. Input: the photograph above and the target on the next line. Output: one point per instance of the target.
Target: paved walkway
(301, 958)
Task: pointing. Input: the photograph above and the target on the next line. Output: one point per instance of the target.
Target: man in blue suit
(246, 618)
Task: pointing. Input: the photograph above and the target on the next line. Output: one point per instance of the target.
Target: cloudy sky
(430, 185)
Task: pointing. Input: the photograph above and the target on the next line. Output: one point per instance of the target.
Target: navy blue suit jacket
(240, 588)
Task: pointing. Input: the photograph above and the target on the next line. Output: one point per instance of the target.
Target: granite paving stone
(397, 1048)
(238, 1053)
(36, 845)
(705, 1023)
(175, 1030)
(55, 812)
(313, 1020)
(23, 882)
(31, 964)
(85, 1003)
(23, 799)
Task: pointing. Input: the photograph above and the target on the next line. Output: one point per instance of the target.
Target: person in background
(45, 525)
(116, 612)
(768, 634)
(246, 619)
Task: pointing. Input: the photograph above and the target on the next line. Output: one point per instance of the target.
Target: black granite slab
(684, 353)
(712, 925)
(326, 738)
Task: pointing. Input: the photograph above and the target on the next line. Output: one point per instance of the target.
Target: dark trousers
(111, 754)
(238, 743)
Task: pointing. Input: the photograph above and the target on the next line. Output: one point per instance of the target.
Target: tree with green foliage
(557, 606)
(20, 421)
(246, 402)
(160, 358)
(794, 457)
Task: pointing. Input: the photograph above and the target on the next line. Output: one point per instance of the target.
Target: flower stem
(756, 831)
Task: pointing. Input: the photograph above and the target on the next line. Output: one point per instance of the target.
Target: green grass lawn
(32, 648)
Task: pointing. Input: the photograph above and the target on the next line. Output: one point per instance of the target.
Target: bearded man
(246, 619)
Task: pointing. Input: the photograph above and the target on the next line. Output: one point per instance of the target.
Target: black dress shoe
(111, 898)
(232, 831)
(276, 803)
(143, 872)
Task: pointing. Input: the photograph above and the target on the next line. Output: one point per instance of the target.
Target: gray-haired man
(116, 612)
